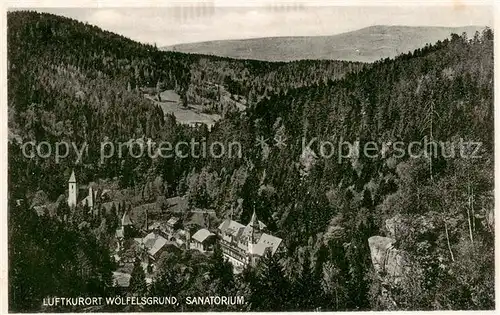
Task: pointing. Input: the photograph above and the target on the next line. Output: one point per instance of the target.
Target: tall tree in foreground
(270, 289)
(138, 285)
(220, 274)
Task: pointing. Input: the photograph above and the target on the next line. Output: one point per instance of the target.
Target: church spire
(254, 223)
(72, 178)
(253, 238)
(255, 231)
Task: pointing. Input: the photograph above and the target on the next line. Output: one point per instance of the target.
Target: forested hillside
(73, 82)
(326, 209)
(252, 79)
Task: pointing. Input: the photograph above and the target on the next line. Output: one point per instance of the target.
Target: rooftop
(155, 225)
(231, 227)
(202, 235)
(173, 221)
(153, 243)
(260, 249)
(72, 178)
(121, 279)
(270, 241)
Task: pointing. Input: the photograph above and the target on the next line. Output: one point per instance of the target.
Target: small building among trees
(203, 240)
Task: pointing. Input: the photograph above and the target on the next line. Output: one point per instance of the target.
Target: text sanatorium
(143, 300)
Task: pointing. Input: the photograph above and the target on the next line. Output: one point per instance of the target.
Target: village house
(153, 244)
(202, 240)
(89, 201)
(154, 227)
(121, 282)
(172, 224)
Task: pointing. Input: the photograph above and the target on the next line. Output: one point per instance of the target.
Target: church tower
(90, 201)
(254, 237)
(72, 190)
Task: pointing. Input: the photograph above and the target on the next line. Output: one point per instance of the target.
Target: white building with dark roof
(202, 240)
(243, 245)
(89, 201)
(121, 279)
(154, 244)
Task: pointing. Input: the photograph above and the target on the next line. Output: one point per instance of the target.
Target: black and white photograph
(261, 157)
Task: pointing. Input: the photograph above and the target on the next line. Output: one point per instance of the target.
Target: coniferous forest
(74, 82)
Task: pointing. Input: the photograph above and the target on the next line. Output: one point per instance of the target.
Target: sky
(165, 26)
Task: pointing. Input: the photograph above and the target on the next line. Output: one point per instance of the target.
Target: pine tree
(137, 284)
(63, 210)
(306, 288)
(166, 284)
(270, 290)
(220, 273)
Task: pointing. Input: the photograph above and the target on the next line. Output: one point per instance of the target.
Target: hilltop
(366, 45)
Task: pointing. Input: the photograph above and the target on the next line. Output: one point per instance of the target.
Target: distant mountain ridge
(367, 44)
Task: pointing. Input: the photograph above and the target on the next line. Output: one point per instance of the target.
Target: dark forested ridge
(74, 82)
